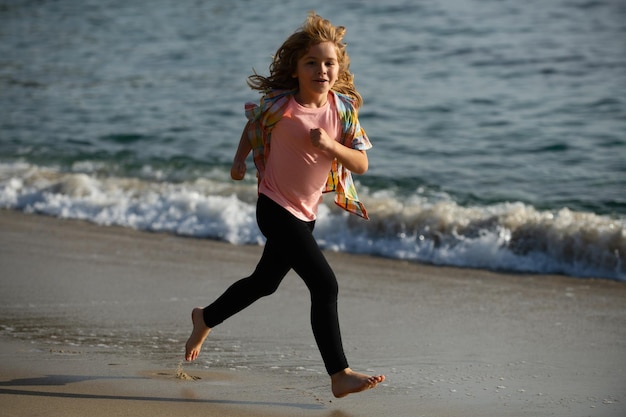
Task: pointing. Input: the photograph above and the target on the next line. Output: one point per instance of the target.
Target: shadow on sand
(62, 380)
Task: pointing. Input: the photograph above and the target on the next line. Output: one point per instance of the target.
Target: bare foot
(348, 382)
(198, 334)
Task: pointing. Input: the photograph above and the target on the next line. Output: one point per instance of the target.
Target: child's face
(318, 69)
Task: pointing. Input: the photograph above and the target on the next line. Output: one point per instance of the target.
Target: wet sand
(93, 321)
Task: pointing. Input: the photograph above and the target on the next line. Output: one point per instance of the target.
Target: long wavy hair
(315, 30)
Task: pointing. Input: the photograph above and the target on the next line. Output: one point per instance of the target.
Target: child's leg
(311, 265)
(264, 281)
(309, 262)
(270, 271)
(290, 244)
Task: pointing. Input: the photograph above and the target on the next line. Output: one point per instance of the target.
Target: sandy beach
(94, 319)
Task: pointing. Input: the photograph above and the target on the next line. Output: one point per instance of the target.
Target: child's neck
(311, 101)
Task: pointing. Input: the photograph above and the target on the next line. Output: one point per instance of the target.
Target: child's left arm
(353, 159)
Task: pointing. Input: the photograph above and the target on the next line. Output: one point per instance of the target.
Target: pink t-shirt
(296, 171)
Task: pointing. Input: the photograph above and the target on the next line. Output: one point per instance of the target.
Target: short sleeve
(252, 111)
(360, 141)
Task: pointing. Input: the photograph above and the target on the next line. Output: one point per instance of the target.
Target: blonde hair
(315, 30)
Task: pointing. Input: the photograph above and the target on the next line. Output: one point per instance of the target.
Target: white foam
(434, 229)
(201, 209)
(509, 236)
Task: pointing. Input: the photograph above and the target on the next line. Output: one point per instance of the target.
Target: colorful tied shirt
(262, 119)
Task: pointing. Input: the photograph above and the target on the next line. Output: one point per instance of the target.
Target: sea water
(499, 126)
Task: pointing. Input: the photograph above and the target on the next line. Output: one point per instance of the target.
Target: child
(308, 118)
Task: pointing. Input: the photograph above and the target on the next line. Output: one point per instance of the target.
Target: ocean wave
(423, 227)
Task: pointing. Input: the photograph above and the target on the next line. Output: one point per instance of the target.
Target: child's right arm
(238, 169)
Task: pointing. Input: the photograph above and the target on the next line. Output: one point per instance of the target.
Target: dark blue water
(499, 127)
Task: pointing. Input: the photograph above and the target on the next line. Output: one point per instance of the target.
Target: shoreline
(96, 318)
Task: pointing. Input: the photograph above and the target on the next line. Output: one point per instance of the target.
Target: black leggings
(290, 245)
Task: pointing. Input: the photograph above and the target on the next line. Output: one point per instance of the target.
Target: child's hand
(238, 170)
(321, 140)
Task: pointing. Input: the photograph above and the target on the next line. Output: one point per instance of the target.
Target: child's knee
(263, 288)
(326, 293)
